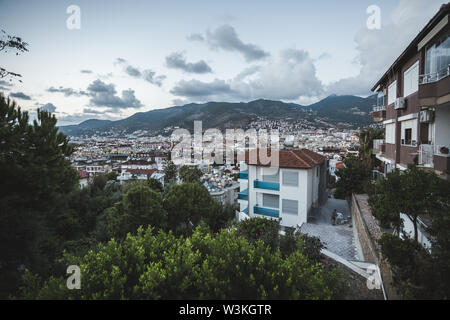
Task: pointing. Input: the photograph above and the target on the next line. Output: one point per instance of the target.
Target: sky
(135, 56)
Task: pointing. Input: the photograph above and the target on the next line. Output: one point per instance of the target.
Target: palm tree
(366, 138)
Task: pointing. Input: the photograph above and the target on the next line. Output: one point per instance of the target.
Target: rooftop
(298, 158)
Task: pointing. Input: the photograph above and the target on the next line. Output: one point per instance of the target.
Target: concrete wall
(368, 233)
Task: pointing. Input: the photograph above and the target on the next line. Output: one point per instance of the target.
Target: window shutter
(290, 206)
(271, 201)
(290, 178)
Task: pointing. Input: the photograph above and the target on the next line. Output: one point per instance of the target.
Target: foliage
(352, 178)
(8, 42)
(160, 265)
(268, 231)
(414, 273)
(170, 172)
(418, 273)
(155, 185)
(414, 192)
(111, 175)
(35, 176)
(366, 138)
(140, 205)
(187, 204)
(190, 174)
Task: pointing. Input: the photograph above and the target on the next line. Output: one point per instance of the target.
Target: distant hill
(350, 110)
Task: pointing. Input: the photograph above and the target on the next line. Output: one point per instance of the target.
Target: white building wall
(306, 193)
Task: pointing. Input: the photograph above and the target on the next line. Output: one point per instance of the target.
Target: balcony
(245, 210)
(379, 114)
(243, 195)
(243, 175)
(266, 185)
(379, 146)
(434, 88)
(434, 156)
(266, 212)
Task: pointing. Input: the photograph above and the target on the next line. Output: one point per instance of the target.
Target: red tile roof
(83, 174)
(298, 158)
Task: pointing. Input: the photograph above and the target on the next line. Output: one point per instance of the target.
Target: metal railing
(243, 195)
(378, 108)
(377, 144)
(266, 185)
(243, 174)
(435, 76)
(426, 154)
(266, 212)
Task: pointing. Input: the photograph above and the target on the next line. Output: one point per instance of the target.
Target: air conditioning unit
(400, 103)
(426, 116)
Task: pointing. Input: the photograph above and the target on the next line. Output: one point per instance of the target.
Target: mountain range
(339, 111)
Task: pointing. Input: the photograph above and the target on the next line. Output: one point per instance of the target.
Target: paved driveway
(338, 239)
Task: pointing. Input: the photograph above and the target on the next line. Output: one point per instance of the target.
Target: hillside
(333, 110)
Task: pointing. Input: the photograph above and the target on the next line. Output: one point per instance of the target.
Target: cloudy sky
(131, 56)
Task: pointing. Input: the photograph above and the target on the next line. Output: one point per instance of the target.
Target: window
(392, 92)
(437, 59)
(411, 80)
(390, 133)
(290, 178)
(290, 206)
(269, 176)
(271, 201)
(380, 99)
(409, 132)
(408, 136)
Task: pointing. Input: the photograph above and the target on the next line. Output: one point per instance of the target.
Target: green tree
(366, 138)
(190, 174)
(418, 273)
(35, 175)
(413, 192)
(152, 265)
(187, 204)
(352, 178)
(155, 185)
(112, 175)
(140, 206)
(170, 172)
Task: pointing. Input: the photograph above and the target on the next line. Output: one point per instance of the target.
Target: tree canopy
(160, 265)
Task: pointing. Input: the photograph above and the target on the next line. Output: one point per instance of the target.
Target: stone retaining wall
(368, 232)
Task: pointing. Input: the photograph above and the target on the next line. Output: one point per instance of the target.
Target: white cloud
(378, 49)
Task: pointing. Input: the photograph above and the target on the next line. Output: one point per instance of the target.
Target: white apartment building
(287, 192)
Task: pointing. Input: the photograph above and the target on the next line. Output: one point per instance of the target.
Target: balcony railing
(378, 108)
(428, 151)
(266, 185)
(266, 212)
(435, 76)
(243, 174)
(378, 145)
(245, 210)
(243, 195)
(426, 155)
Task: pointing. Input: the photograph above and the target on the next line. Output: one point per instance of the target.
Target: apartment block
(414, 102)
(287, 192)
